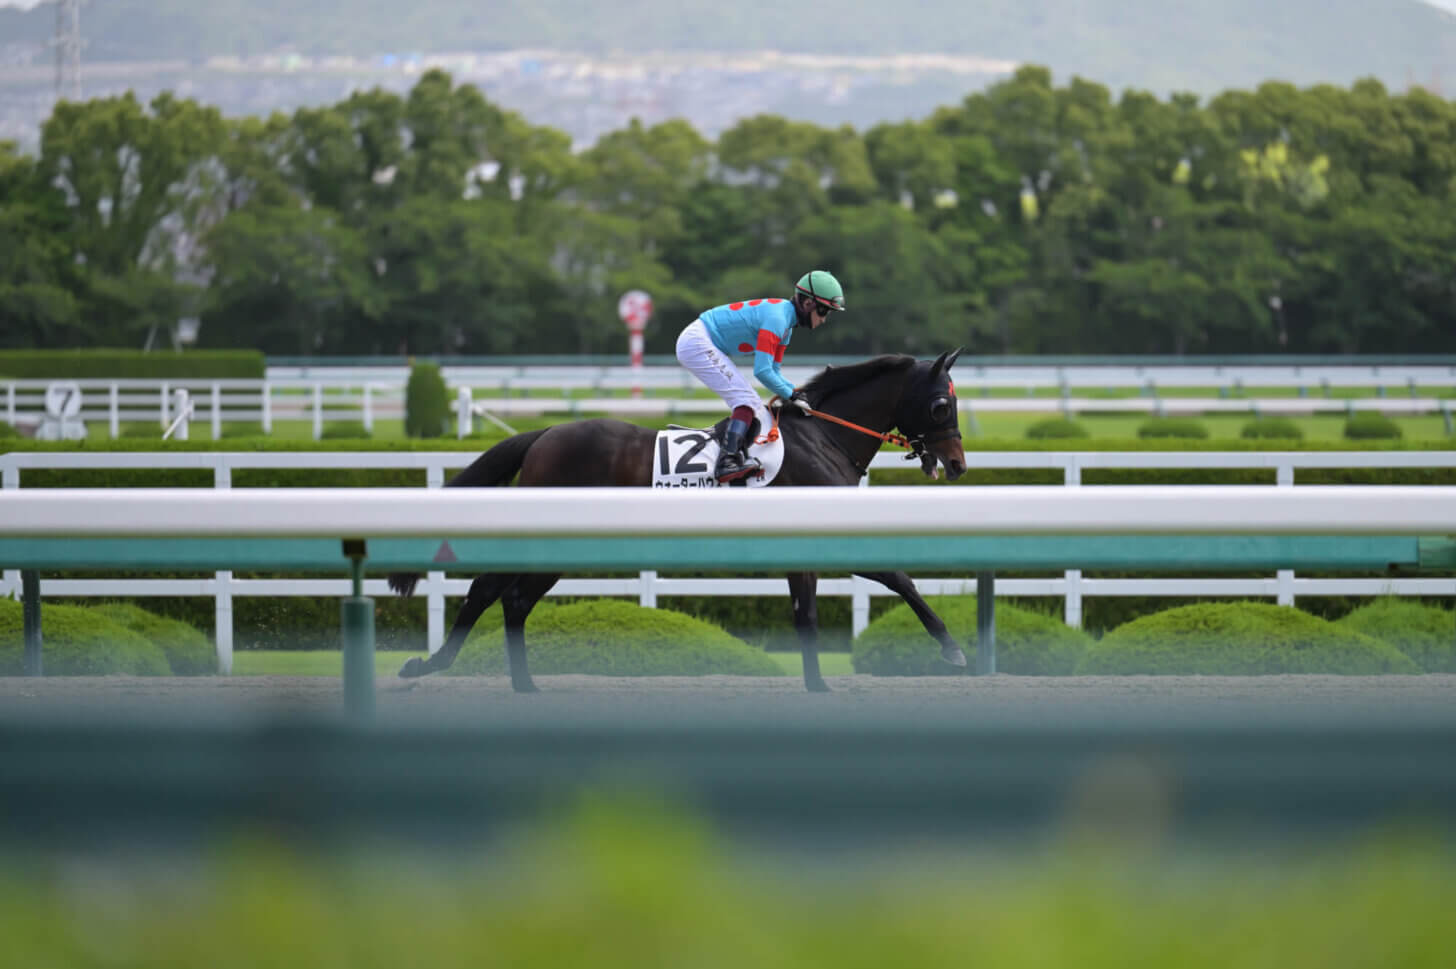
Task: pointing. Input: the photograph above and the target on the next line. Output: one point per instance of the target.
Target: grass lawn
(287, 662)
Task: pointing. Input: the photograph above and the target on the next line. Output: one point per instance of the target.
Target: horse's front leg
(900, 584)
(803, 589)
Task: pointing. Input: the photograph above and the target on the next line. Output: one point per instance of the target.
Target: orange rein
(889, 437)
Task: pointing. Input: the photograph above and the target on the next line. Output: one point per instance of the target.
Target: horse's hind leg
(900, 584)
(804, 591)
(483, 591)
(518, 601)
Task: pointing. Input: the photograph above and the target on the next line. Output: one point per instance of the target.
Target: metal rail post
(357, 624)
(30, 611)
(985, 623)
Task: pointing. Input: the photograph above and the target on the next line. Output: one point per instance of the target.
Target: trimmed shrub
(77, 642)
(188, 651)
(8, 430)
(1179, 427)
(346, 431)
(426, 402)
(1371, 426)
(610, 637)
(1056, 429)
(1272, 428)
(79, 364)
(1240, 639)
(1424, 633)
(1027, 643)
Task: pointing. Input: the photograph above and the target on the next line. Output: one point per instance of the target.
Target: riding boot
(733, 461)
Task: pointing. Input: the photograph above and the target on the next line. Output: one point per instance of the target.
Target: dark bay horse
(893, 391)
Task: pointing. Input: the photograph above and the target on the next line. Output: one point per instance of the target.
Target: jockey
(762, 327)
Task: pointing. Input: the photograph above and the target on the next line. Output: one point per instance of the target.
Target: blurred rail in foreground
(323, 781)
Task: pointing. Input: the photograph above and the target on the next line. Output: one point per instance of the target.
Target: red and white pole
(635, 309)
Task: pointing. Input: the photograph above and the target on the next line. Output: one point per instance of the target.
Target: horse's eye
(940, 410)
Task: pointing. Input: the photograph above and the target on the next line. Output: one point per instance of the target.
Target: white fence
(361, 394)
(648, 586)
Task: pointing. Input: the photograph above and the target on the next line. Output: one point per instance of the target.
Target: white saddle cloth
(685, 458)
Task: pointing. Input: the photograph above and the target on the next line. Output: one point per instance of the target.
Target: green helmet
(822, 287)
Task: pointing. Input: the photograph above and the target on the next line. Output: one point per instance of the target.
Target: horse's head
(929, 417)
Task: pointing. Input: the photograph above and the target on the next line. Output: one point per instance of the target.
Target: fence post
(222, 605)
(318, 411)
(216, 411)
(368, 402)
(434, 581)
(859, 599)
(10, 478)
(114, 409)
(859, 606)
(166, 399)
(1284, 478)
(267, 407)
(1072, 602)
(647, 589)
(179, 426)
(462, 413)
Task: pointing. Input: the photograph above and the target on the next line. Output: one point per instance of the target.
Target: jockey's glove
(800, 401)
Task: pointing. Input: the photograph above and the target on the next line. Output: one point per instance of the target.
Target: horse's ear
(938, 366)
(950, 362)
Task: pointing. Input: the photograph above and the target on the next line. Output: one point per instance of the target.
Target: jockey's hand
(800, 401)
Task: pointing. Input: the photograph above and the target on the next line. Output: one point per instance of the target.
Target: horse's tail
(498, 465)
(492, 469)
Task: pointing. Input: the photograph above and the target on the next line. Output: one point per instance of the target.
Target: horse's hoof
(953, 655)
(413, 667)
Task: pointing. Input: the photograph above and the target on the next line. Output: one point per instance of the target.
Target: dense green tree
(1029, 218)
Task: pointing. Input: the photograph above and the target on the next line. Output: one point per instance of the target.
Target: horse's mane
(831, 380)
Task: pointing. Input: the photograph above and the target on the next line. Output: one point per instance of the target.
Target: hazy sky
(1443, 4)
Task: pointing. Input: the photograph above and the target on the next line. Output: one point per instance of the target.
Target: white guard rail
(648, 586)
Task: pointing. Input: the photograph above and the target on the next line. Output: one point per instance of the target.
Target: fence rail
(648, 587)
(364, 394)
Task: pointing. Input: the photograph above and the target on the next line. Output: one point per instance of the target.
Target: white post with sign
(62, 413)
(635, 308)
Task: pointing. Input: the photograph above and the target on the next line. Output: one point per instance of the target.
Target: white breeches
(695, 350)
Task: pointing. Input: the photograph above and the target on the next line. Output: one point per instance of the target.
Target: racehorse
(854, 409)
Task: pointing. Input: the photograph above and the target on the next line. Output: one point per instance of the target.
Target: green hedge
(1027, 643)
(1424, 633)
(609, 637)
(1057, 429)
(188, 651)
(81, 364)
(1184, 428)
(77, 642)
(1371, 427)
(1239, 639)
(1272, 428)
(426, 402)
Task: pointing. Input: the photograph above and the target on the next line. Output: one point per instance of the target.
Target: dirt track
(490, 700)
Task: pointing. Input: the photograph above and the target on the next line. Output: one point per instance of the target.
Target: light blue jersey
(762, 327)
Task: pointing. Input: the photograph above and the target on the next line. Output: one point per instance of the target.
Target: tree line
(1029, 218)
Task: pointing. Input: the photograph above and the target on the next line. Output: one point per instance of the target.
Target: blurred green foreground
(617, 884)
